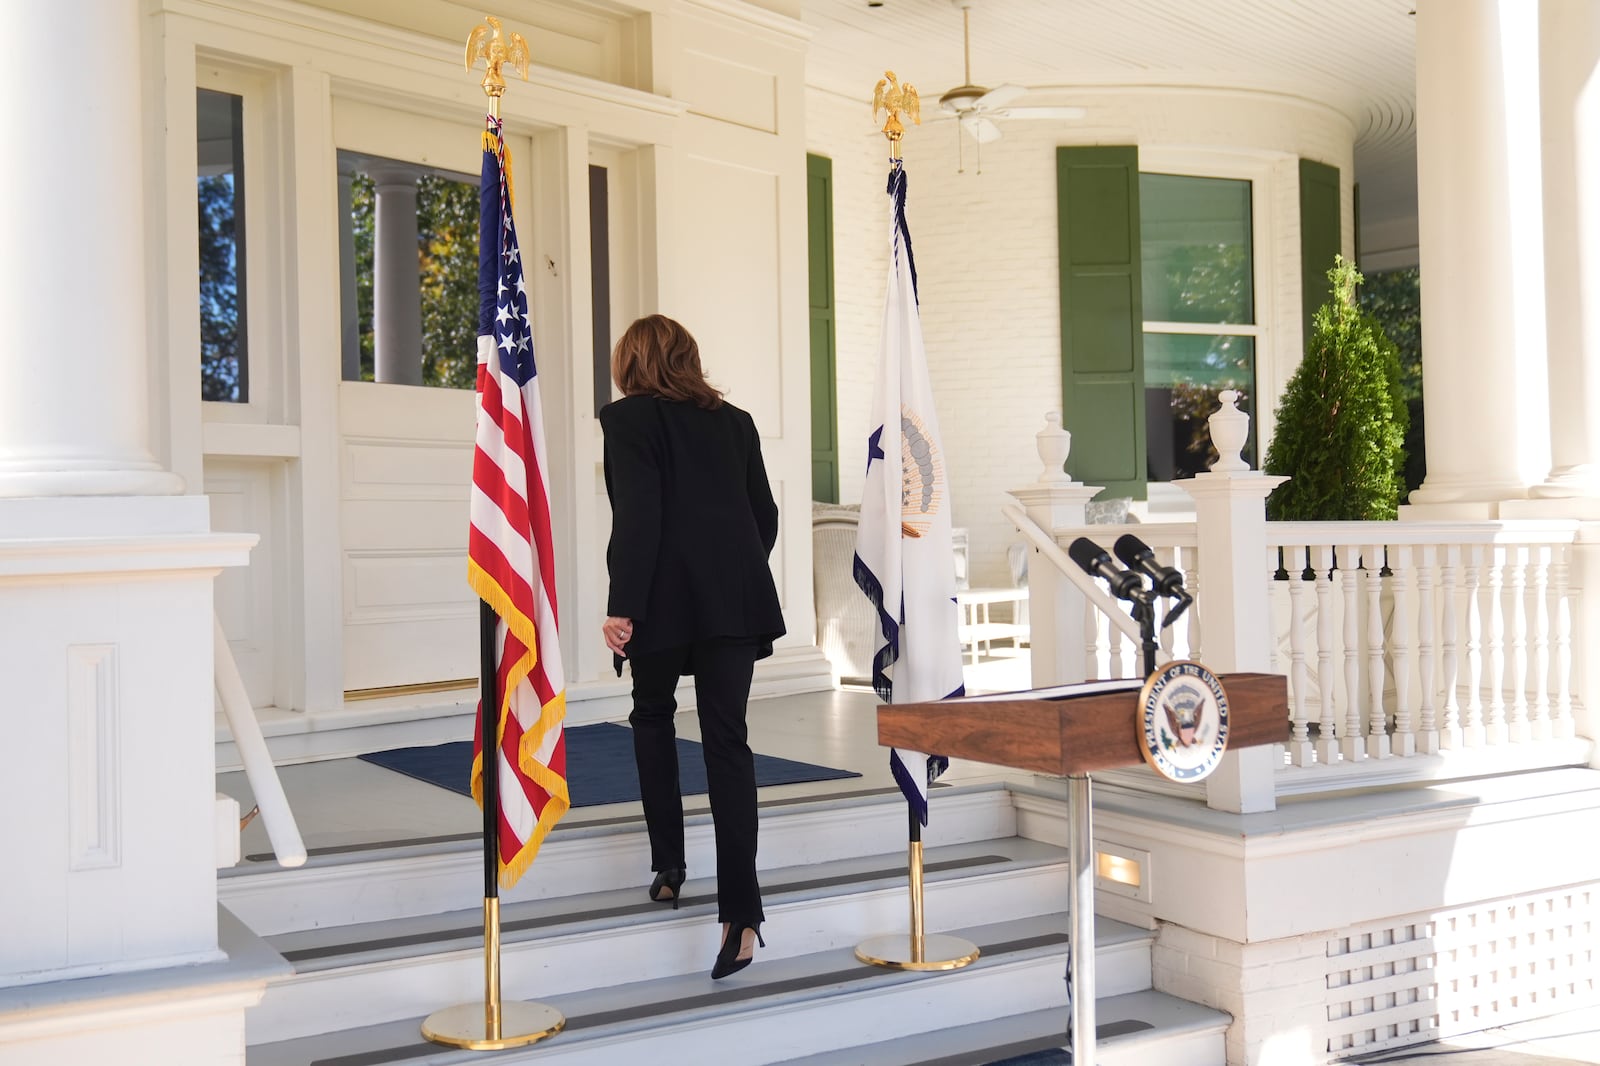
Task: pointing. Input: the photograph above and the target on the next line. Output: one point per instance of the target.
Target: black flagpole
(489, 722)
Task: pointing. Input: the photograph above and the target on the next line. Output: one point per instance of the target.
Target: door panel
(406, 469)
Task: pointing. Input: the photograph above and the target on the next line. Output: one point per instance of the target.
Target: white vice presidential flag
(904, 559)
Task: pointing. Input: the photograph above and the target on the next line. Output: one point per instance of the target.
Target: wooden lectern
(1071, 731)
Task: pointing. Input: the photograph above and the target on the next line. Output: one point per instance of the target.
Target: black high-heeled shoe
(668, 885)
(728, 960)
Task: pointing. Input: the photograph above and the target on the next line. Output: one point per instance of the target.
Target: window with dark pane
(219, 188)
(1197, 281)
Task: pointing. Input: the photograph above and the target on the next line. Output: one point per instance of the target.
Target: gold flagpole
(917, 951)
(492, 1025)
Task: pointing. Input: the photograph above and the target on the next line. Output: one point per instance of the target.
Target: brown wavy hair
(656, 356)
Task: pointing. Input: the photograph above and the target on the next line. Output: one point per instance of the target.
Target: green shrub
(1341, 426)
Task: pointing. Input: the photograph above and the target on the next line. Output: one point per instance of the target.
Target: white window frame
(1261, 170)
(267, 404)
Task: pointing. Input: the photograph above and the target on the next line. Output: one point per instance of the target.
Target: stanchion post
(1080, 901)
(492, 1025)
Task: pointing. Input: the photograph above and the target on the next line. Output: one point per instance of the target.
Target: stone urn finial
(1054, 444)
(1230, 428)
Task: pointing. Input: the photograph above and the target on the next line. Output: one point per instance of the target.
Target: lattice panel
(1392, 984)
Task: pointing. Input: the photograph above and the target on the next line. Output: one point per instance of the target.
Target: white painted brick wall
(986, 248)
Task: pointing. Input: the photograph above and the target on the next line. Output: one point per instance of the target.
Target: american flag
(905, 561)
(510, 558)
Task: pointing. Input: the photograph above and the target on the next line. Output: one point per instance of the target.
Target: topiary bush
(1341, 425)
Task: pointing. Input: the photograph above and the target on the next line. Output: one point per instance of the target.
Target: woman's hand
(617, 631)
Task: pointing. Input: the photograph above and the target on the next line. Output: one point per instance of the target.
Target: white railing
(1413, 650)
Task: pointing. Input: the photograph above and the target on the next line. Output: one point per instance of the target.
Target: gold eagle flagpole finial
(486, 42)
(891, 96)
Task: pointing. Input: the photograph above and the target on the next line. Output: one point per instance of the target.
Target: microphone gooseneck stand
(1125, 585)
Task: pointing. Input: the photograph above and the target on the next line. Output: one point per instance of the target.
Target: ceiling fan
(976, 107)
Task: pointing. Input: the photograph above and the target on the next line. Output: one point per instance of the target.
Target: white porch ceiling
(1357, 56)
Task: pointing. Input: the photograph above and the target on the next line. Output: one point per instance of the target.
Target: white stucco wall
(986, 247)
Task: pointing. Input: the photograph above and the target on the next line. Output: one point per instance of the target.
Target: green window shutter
(1102, 317)
(824, 391)
(1319, 237)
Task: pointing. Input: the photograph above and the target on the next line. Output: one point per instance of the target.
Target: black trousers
(722, 670)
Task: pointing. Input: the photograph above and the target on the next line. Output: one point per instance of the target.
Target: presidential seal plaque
(1183, 721)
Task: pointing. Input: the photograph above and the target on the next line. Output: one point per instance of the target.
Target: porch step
(373, 972)
(822, 1008)
(595, 850)
(1134, 1029)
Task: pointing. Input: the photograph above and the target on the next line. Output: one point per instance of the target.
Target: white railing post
(1583, 576)
(1056, 631)
(1231, 528)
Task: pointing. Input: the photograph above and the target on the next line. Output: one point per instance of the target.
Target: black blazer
(692, 524)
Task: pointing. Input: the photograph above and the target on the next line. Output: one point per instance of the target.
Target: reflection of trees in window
(220, 362)
(219, 197)
(363, 203)
(447, 251)
(1197, 285)
(447, 232)
(1214, 280)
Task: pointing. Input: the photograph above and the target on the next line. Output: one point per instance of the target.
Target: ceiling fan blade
(1036, 112)
(999, 96)
(981, 129)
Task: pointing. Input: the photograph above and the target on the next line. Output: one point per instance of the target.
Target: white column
(1481, 256)
(1569, 90)
(397, 280)
(74, 387)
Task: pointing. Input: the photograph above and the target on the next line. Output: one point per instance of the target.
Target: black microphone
(1136, 555)
(1125, 585)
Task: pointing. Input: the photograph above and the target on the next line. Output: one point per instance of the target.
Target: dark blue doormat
(600, 767)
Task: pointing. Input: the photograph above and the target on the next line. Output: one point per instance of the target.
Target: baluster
(1301, 752)
(1449, 574)
(1196, 614)
(1328, 741)
(1539, 660)
(1377, 738)
(1516, 606)
(1494, 652)
(1277, 595)
(1472, 722)
(1428, 727)
(1349, 584)
(1404, 743)
(1167, 638)
(1562, 597)
(1093, 622)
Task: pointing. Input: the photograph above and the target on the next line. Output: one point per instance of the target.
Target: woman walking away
(693, 522)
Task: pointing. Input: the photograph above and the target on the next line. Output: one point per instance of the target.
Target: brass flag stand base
(933, 952)
(493, 1024)
(465, 1026)
(917, 952)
